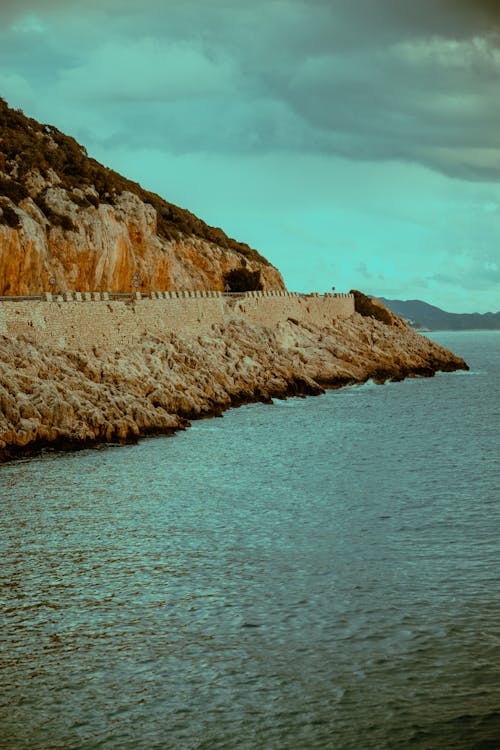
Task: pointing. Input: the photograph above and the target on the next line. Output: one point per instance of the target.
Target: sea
(316, 573)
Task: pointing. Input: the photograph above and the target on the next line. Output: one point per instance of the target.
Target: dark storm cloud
(361, 79)
(437, 15)
(485, 12)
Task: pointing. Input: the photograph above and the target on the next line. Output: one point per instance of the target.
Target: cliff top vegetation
(27, 145)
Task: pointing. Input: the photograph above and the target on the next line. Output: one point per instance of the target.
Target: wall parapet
(111, 321)
(71, 296)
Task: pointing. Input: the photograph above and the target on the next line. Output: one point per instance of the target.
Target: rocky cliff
(66, 218)
(69, 223)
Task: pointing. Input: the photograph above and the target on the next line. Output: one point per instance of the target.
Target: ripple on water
(322, 574)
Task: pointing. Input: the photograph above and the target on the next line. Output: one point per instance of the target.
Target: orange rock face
(107, 249)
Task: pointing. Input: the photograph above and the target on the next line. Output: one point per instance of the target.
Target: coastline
(70, 398)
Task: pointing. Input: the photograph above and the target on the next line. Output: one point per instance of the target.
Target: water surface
(322, 573)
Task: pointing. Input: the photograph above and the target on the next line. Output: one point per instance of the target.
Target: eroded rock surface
(70, 398)
(106, 247)
(68, 219)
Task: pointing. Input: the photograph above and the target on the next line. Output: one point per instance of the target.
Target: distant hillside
(423, 315)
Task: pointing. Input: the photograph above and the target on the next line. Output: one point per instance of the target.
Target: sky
(354, 143)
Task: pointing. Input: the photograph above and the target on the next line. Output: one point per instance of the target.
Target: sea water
(321, 573)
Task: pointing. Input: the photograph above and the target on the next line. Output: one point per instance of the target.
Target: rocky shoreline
(69, 399)
(69, 223)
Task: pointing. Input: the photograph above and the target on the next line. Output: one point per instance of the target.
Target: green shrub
(64, 221)
(82, 202)
(13, 189)
(54, 217)
(92, 199)
(8, 216)
(28, 145)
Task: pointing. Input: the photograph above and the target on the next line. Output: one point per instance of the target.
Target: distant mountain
(422, 315)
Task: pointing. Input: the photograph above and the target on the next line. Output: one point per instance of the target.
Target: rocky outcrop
(70, 398)
(103, 248)
(371, 307)
(64, 217)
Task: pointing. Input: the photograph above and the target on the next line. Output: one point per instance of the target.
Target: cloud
(362, 80)
(320, 127)
(431, 102)
(144, 70)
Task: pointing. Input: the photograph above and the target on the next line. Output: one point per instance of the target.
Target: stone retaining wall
(103, 321)
(270, 308)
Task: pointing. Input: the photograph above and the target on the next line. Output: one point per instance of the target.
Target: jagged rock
(373, 308)
(106, 248)
(66, 217)
(69, 398)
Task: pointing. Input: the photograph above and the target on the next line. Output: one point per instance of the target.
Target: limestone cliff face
(105, 246)
(67, 217)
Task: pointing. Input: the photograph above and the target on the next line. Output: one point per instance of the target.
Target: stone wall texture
(97, 321)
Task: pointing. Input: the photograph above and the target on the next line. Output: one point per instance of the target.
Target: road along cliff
(67, 391)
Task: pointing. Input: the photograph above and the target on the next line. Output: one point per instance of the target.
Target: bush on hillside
(54, 217)
(26, 145)
(8, 216)
(12, 189)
